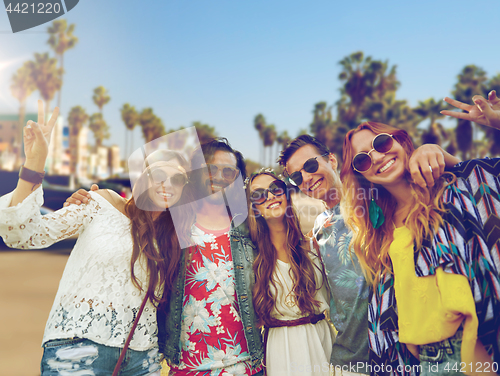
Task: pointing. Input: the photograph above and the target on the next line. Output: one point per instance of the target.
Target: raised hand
(485, 111)
(428, 162)
(37, 138)
(80, 196)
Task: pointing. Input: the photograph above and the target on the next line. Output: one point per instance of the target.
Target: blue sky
(223, 62)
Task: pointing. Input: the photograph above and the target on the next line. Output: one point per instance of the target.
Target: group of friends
(400, 275)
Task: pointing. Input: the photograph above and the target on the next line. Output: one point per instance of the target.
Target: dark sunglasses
(227, 172)
(363, 161)
(310, 166)
(259, 196)
(159, 176)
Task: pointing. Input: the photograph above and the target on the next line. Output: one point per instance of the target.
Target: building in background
(58, 159)
(69, 152)
(11, 141)
(114, 160)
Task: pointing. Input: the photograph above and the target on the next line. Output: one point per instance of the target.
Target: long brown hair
(157, 239)
(301, 266)
(425, 216)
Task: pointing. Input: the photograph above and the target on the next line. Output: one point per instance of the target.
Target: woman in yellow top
(431, 255)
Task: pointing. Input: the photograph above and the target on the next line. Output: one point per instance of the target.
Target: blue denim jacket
(170, 315)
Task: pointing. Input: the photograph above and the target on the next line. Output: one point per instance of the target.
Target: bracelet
(31, 176)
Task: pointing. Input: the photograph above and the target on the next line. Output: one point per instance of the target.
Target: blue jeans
(442, 358)
(85, 357)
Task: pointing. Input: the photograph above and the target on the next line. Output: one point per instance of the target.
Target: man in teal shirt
(311, 167)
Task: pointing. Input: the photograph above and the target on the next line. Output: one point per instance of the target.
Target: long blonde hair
(425, 216)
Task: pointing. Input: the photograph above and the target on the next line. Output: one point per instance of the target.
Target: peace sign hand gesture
(485, 112)
(37, 139)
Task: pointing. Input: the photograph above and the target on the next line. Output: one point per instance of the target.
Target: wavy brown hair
(301, 266)
(157, 239)
(425, 216)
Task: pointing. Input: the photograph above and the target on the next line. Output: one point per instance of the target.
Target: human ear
(333, 161)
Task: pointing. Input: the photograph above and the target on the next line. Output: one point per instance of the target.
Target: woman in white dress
(126, 250)
(290, 294)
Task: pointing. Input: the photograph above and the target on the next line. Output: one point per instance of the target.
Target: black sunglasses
(159, 176)
(363, 161)
(310, 166)
(259, 196)
(227, 172)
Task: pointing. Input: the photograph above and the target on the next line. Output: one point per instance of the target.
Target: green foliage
(363, 79)
(129, 116)
(329, 132)
(23, 83)
(152, 126)
(61, 36)
(61, 39)
(47, 77)
(99, 127)
(100, 97)
(471, 81)
(205, 131)
(76, 119)
(252, 166)
(283, 139)
(491, 141)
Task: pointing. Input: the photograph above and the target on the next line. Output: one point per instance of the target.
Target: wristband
(31, 176)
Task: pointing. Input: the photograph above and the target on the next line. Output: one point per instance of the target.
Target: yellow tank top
(431, 308)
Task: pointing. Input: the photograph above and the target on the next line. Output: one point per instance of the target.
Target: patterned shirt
(349, 291)
(212, 337)
(468, 243)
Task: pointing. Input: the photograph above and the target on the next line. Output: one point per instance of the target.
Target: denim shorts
(84, 357)
(442, 358)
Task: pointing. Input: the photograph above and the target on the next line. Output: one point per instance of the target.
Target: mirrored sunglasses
(381, 143)
(260, 195)
(310, 166)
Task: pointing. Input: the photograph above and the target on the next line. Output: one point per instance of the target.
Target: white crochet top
(96, 298)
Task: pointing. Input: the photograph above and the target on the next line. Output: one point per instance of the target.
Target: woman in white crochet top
(125, 250)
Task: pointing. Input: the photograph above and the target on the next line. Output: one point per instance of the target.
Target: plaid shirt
(468, 243)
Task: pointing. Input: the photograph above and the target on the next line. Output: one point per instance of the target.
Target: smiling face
(211, 184)
(387, 168)
(275, 206)
(321, 184)
(166, 183)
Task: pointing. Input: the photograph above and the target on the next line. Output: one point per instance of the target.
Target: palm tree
(269, 139)
(430, 108)
(283, 139)
(259, 123)
(131, 118)
(61, 39)
(322, 125)
(21, 88)
(76, 119)
(471, 81)
(205, 132)
(363, 78)
(100, 97)
(99, 127)
(325, 129)
(491, 134)
(152, 126)
(47, 77)
(392, 111)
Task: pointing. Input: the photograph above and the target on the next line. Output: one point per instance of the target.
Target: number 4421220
(32, 8)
